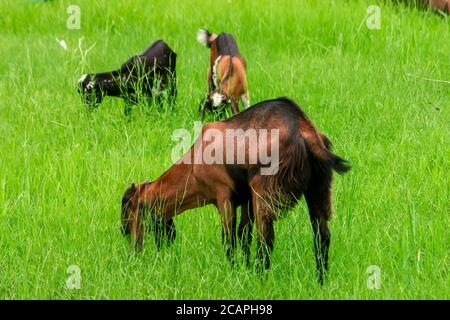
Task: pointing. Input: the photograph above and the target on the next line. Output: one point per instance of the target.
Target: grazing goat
(436, 5)
(300, 163)
(143, 76)
(227, 81)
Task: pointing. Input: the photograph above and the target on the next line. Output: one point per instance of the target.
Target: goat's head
(132, 207)
(91, 89)
(205, 37)
(128, 206)
(219, 99)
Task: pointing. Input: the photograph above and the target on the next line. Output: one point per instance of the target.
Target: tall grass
(64, 169)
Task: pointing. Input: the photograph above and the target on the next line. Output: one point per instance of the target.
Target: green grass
(64, 170)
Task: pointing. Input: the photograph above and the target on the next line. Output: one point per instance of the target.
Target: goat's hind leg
(264, 218)
(245, 98)
(228, 213)
(318, 198)
(266, 238)
(245, 230)
(234, 106)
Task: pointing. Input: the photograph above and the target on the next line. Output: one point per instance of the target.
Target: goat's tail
(320, 146)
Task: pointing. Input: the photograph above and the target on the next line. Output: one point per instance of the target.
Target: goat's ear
(133, 187)
(82, 79)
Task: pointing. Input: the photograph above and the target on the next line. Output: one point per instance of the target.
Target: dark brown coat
(305, 168)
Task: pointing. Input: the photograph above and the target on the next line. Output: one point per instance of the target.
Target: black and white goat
(142, 78)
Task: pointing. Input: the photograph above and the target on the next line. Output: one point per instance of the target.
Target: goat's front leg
(207, 101)
(137, 231)
(228, 213)
(171, 231)
(172, 94)
(127, 108)
(164, 231)
(203, 106)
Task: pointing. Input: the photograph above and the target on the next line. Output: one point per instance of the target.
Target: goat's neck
(174, 192)
(214, 53)
(109, 82)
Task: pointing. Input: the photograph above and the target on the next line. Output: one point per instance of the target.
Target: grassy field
(63, 170)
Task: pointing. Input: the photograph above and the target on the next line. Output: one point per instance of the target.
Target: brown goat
(442, 5)
(304, 165)
(227, 80)
(436, 5)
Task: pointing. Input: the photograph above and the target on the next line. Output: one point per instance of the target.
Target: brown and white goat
(227, 80)
(300, 163)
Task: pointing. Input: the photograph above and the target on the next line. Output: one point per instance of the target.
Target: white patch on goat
(202, 37)
(214, 71)
(83, 77)
(90, 85)
(217, 99)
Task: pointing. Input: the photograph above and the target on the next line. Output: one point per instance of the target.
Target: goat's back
(302, 149)
(227, 45)
(158, 56)
(160, 52)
